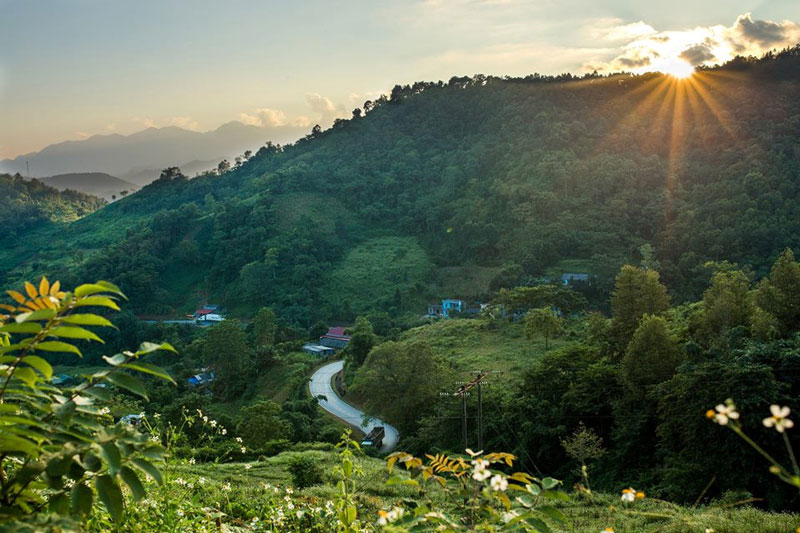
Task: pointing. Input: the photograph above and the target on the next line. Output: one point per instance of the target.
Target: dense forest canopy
(26, 204)
(520, 176)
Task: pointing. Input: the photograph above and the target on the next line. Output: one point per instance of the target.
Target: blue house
(203, 378)
(452, 306)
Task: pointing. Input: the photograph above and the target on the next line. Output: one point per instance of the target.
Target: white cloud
(187, 123)
(325, 108)
(264, 117)
(702, 45)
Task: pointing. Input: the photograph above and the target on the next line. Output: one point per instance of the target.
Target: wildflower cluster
(727, 415)
(479, 485)
(630, 495)
(723, 413)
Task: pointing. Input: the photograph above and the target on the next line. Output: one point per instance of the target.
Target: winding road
(320, 385)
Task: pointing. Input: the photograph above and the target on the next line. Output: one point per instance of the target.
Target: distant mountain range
(139, 157)
(95, 183)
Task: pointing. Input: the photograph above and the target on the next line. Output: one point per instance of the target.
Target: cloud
(764, 32)
(698, 54)
(322, 111)
(614, 29)
(324, 107)
(264, 117)
(702, 45)
(146, 122)
(187, 123)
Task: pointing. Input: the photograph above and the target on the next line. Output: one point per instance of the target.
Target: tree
(779, 294)
(636, 292)
(652, 355)
(223, 166)
(521, 298)
(362, 339)
(543, 322)
(261, 423)
(171, 173)
(649, 261)
(271, 260)
(726, 304)
(264, 327)
(226, 351)
(401, 382)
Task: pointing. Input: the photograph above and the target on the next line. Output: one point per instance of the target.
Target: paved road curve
(320, 384)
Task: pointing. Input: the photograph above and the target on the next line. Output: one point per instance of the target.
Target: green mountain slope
(535, 175)
(99, 184)
(28, 205)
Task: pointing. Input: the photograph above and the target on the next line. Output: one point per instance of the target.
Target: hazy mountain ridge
(153, 148)
(95, 183)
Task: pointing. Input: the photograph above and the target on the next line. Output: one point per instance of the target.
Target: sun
(677, 68)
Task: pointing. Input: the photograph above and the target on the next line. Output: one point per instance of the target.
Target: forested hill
(450, 189)
(25, 205)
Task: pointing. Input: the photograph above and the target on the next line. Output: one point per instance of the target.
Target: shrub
(58, 449)
(305, 472)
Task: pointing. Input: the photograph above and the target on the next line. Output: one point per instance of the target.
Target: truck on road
(374, 438)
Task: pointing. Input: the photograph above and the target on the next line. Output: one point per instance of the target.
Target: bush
(305, 472)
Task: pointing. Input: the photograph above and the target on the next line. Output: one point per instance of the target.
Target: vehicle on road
(374, 438)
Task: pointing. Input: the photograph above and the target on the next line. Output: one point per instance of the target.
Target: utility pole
(464, 416)
(462, 391)
(480, 417)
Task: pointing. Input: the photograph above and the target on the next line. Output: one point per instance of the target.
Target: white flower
(156, 415)
(239, 440)
(224, 431)
(105, 411)
(244, 449)
(205, 419)
(248, 467)
(199, 412)
(192, 461)
(629, 495)
(724, 413)
(155, 438)
(141, 415)
(498, 483)
(180, 513)
(213, 423)
(201, 481)
(481, 471)
(289, 490)
(779, 419)
(226, 487)
(387, 517)
(480, 464)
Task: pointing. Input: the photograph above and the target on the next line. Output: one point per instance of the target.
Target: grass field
(585, 514)
(479, 344)
(376, 271)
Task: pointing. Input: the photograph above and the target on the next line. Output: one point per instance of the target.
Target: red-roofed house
(335, 338)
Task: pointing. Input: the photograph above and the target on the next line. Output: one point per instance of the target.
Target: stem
(757, 448)
(791, 454)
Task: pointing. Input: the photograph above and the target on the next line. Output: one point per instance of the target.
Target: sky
(70, 69)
